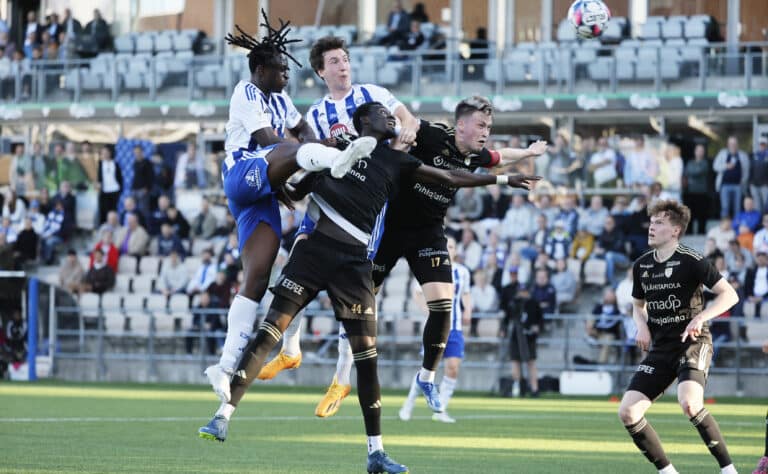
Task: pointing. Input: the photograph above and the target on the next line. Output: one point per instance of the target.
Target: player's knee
(451, 371)
(628, 415)
(690, 407)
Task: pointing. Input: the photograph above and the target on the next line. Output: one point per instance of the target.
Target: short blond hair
(678, 214)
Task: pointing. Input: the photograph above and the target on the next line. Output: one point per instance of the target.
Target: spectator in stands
(178, 222)
(204, 224)
(739, 269)
(484, 298)
(671, 171)
(732, 251)
(100, 277)
(67, 199)
(71, 273)
(495, 203)
(620, 211)
(756, 282)
(696, 186)
(523, 321)
(204, 275)
(9, 230)
(469, 251)
(710, 249)
(107, 247)
(543, 292)
(602, 165)
(20, 172)
(494, 252)
(14, 209)
(43, 166)
(96, 36)
(398, 23)
(231, 248)
(624, 294)
(7, 257)
(745, 237)
(169, 241)
(52, 26)
(758, 177)
(565, 283)
(70, 25)
(71, 170)
(563, 164)
(36, 216)
(641, 168)
(4, 30)
(558, 243)
(6, 73)
(110, 183)
(657, 193)
(760, 242)
(112, 223)
(130, 208)
(544, 206)
(732, 168)
(419, 13)
(722, 234)
(162, 183)
(468, 204)
(52, 234)
(518, 223)
(174, 276)
(542, 262)
(413, 39)
(538, 239)
(569, 214)
(27, 242)
(749, 216)
(89, 159)
(607, 325)
(159, 215)
(227, 227)
(21, 67)
(611, 246)
(132, 239)
(33, 31)
(582, 245)
(190, 169)
(143, 177)
(636, 226)
(203, 319)
(221, 290)
(593, 218)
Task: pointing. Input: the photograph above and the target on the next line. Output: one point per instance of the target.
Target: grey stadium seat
(145, 43)
(125, 44)
(163, 42)
(672, 28)
(600, 69)
(695, 28)
(566, 31)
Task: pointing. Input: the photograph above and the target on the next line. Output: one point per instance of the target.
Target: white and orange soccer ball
(589, 17)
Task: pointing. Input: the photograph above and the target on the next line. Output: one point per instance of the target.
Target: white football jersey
(461, 286)
(250, 109)
(329, 117)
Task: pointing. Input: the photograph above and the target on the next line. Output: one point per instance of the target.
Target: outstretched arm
(510, 156)
(465, 179)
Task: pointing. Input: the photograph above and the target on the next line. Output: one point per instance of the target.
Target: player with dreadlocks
(257, 165)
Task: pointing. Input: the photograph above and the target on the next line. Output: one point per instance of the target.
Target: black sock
(765, 453)
(368, 389)
(253, 359)
(436, 332)
(710, 433)
(648, 442)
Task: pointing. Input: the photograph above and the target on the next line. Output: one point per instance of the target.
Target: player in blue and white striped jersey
(256, 166)
(461, 314)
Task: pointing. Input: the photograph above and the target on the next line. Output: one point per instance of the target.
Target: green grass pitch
(97, 428)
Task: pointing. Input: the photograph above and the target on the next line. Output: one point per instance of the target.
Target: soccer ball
(589, 17)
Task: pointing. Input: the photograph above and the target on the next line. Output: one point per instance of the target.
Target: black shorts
(522, 348)
(425, 250)
(321, 263)
(661, 367)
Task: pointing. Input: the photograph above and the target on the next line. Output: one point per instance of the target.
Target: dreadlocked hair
(271, 46)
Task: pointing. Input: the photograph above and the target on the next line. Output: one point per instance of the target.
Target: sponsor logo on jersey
(667, 320)
(645, 274)
(646, 265)
(673, 263)
(253, 179)
(339, 129)
(646, 369)
(438, 161)
(672, 303)
(368, 310)
(292, 286)
(661, 286)
(668, 271)
(420, 188)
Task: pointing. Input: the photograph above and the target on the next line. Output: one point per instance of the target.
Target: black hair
(361, 112)
(272, 46)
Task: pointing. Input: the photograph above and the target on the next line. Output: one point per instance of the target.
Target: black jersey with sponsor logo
(359, 196)
(673, 293)
(420, 204)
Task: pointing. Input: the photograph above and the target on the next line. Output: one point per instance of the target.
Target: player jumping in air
(334, 257)
(668, 310)
(255, 168)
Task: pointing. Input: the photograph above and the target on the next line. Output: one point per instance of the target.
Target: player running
(334, 257)
(414, 229)
(255, 168)
(461, 315)
(671, 321)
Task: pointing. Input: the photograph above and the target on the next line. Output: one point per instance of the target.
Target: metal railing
(547, 69)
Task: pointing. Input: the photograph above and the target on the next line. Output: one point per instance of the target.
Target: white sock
(292, 337)
(668, 470)
(375, 444)
(729, 469)
(240, 319)
(426, 375)
(447, 385)
(413, 393)
(225, 410)
(316, 157)
(344, 364)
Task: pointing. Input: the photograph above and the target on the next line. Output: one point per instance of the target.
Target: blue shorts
(455, 345)
(249, 193)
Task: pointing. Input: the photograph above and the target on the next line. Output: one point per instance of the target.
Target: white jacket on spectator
(470, 255)
(173, 278)
(760, 241)
(565, 285)
(518, 222)
(484, 298)
(721, 160)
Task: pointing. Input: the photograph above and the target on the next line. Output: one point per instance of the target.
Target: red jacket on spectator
(113, 256)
